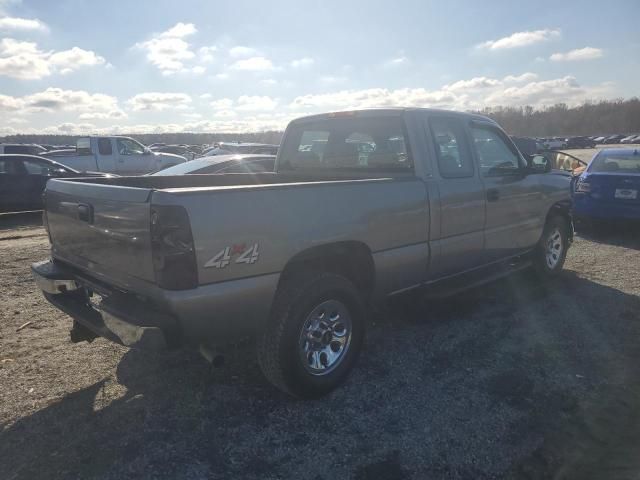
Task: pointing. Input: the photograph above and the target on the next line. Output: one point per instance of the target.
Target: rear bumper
(157, 319)
(587, 207)
(118, 318)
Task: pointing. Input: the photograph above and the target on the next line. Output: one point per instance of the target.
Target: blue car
(609, 188)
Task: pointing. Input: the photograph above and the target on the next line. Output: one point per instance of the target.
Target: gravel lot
(515, 379)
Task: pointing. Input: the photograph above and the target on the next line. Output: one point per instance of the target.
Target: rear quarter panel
(389, 216)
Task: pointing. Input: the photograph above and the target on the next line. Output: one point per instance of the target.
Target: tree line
(600, 118)
(590, 118)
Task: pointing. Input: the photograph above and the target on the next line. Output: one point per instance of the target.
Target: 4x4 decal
(225, 256)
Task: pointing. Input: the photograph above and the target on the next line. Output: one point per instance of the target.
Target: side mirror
(539, 164)
(146, 151)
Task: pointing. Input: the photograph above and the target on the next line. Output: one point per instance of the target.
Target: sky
(78, 67)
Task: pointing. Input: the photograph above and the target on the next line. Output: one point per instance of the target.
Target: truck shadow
(622, 234)
(512, 379)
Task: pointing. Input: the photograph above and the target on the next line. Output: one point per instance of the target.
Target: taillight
(173, 252)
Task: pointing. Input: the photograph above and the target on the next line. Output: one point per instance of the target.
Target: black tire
(278, 345)
(540, 261)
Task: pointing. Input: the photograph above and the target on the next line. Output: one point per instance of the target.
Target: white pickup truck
(119, 155)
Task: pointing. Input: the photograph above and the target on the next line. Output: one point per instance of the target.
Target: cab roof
(393, 111)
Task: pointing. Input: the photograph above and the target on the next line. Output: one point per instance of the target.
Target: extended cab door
(515, 215)
(461, 209)
(133, 158)
(105, 157)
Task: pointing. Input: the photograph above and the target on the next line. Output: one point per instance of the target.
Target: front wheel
(551, 251)
(314, 335)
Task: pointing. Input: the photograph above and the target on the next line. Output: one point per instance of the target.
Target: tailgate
(101, 228)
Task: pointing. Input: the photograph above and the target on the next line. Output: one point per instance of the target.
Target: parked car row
(615, 139)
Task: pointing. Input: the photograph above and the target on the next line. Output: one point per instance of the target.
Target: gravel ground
(512, 380)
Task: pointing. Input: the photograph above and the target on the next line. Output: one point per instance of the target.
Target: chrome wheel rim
(325, 337)
(553, 250)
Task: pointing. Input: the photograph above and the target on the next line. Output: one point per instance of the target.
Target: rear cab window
(348, 143)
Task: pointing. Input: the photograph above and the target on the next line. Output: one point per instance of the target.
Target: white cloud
(9, 103)
(269, 81)
(114, 114)
(207, 53)
(525, 77)
(303, 62)
(256, 103)
(206, 96)
(586, 53)
(25, 61)
(159, 101)
(180, 30)
(57, 99)
(168, 51)
(16, 24)
(331, 79)
(222, 104)
(192, 115)
(242, 52)
(473, 94)
(253, 64)
(67, 60)
(520, 39)
(74, 128)
(472, 84)
(225, 114)
(399, 61)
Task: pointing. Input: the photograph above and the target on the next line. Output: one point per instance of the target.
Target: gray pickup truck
(362, 205)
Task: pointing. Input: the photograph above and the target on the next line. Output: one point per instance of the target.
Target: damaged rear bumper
(121, 318)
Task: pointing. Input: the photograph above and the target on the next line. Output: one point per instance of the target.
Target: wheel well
(562, 209)
(351, 259)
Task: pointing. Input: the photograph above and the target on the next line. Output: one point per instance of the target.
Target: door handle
(85, 212)
(493, 194)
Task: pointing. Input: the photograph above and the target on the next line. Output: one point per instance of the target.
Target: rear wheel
(551, 251)
(314, 335)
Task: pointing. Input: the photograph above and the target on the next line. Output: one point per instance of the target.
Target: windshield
(346, 143)
(616, 163)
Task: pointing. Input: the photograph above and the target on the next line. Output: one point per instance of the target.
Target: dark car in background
(176, 150)
(580, 142)
(609, 188)
(21, 148)
(223, 164)
(631, 139)
(612, 139)
(527, 145)
(23, 178)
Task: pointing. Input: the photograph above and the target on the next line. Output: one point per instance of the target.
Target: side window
(16, 149)
(452, 150)
(494, 155)
(126, 146)
(36, 168)
(104, 146)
